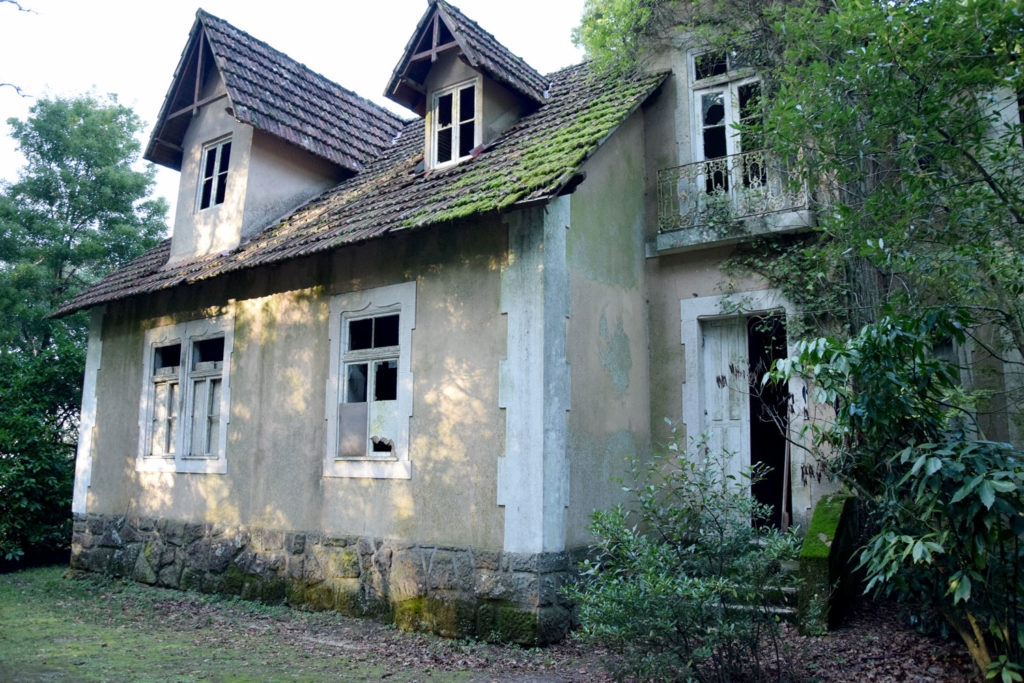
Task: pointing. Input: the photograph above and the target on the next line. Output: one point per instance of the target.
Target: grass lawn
(56, 625)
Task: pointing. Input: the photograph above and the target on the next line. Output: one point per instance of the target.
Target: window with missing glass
(726, 95)
(455, 123)
(213, 179)
(370, 393)
(370, 386)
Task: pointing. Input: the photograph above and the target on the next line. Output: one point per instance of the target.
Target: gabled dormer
(468, 87)
(254, 134)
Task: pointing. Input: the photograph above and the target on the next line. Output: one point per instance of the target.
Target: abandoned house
(391, 366)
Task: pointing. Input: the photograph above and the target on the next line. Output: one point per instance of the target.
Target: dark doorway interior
(769, 417)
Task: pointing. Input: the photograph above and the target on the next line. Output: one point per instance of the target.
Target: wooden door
(725, 391)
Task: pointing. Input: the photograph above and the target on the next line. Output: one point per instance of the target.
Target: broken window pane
(207, 351)
(750, 113)
(711, 64)
(360, 334)
(222, 172)
(204, 201)
(167, 357)
(444, 110)
(355, 383)
(385, 331)
(466, 137)
(385, 380)
(467, 104)
(713, 109)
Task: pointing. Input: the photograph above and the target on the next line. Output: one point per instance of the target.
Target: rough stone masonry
(451, 591)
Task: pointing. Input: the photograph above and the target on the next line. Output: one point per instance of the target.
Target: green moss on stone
(234, 580)
(272, 591)
(452, 618)
(828, 514)
(516, 625)
(820, 566)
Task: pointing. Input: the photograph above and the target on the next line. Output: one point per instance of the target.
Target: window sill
(182, 465)
(369, 468)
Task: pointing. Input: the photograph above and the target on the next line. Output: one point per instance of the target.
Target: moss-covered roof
(531, 162)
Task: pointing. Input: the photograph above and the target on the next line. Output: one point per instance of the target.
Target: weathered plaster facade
(544, 342)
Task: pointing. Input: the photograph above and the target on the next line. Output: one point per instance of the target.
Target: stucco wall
(499, 107)
(266, 178)
(278, 372)
(607, 328)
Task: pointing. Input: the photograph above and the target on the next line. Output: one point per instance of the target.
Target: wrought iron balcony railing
(717, 193)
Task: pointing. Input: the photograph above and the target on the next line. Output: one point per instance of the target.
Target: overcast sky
(130, 47)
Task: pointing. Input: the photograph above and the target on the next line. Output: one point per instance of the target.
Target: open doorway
(769, 417)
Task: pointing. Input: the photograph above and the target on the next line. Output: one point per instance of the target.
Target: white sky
(131, 47)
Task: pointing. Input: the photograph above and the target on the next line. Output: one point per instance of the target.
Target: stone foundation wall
(451, 591)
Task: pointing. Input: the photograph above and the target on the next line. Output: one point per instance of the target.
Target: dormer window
(214, 180)
(456, 126)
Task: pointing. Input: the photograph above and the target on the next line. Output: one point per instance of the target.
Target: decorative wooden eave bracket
(435, 34)
(184, 98)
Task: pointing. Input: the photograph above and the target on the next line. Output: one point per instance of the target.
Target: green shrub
(683, 582)
(948, 506)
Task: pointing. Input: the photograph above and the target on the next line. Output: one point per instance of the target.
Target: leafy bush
(683, 580)
(949, 506)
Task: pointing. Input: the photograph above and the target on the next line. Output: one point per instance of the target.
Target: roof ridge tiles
(530, 73)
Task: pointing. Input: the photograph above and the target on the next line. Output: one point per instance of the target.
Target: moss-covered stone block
(318, 596)
(348, 597)
(272, 591)
(452, 618)
(825, 558)
(516, 624)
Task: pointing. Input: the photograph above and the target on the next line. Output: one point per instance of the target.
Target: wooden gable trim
(404, 88)
(165, 145)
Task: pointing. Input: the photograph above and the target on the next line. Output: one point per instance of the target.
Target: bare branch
(11, 85)
(20, 9)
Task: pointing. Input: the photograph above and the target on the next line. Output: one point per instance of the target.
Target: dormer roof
(534, 161)
(443, 28)
(273, 93)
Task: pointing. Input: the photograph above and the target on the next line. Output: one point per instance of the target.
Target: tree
(77, 211)
(948, 507)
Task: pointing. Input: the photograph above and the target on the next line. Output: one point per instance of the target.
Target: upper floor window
(725, 96)
(182, 425)
(214, 180)
(455, 123)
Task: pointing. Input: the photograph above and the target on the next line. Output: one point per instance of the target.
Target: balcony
(724, 200)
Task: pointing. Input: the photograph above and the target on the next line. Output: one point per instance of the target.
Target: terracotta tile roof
(495, 58)
(532, 162)
(274, 93)
(478, 47)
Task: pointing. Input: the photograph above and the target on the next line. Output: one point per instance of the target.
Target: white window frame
(728, 85)
(371, 303)
(186, 378)
(434, 122)
(219, 178)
